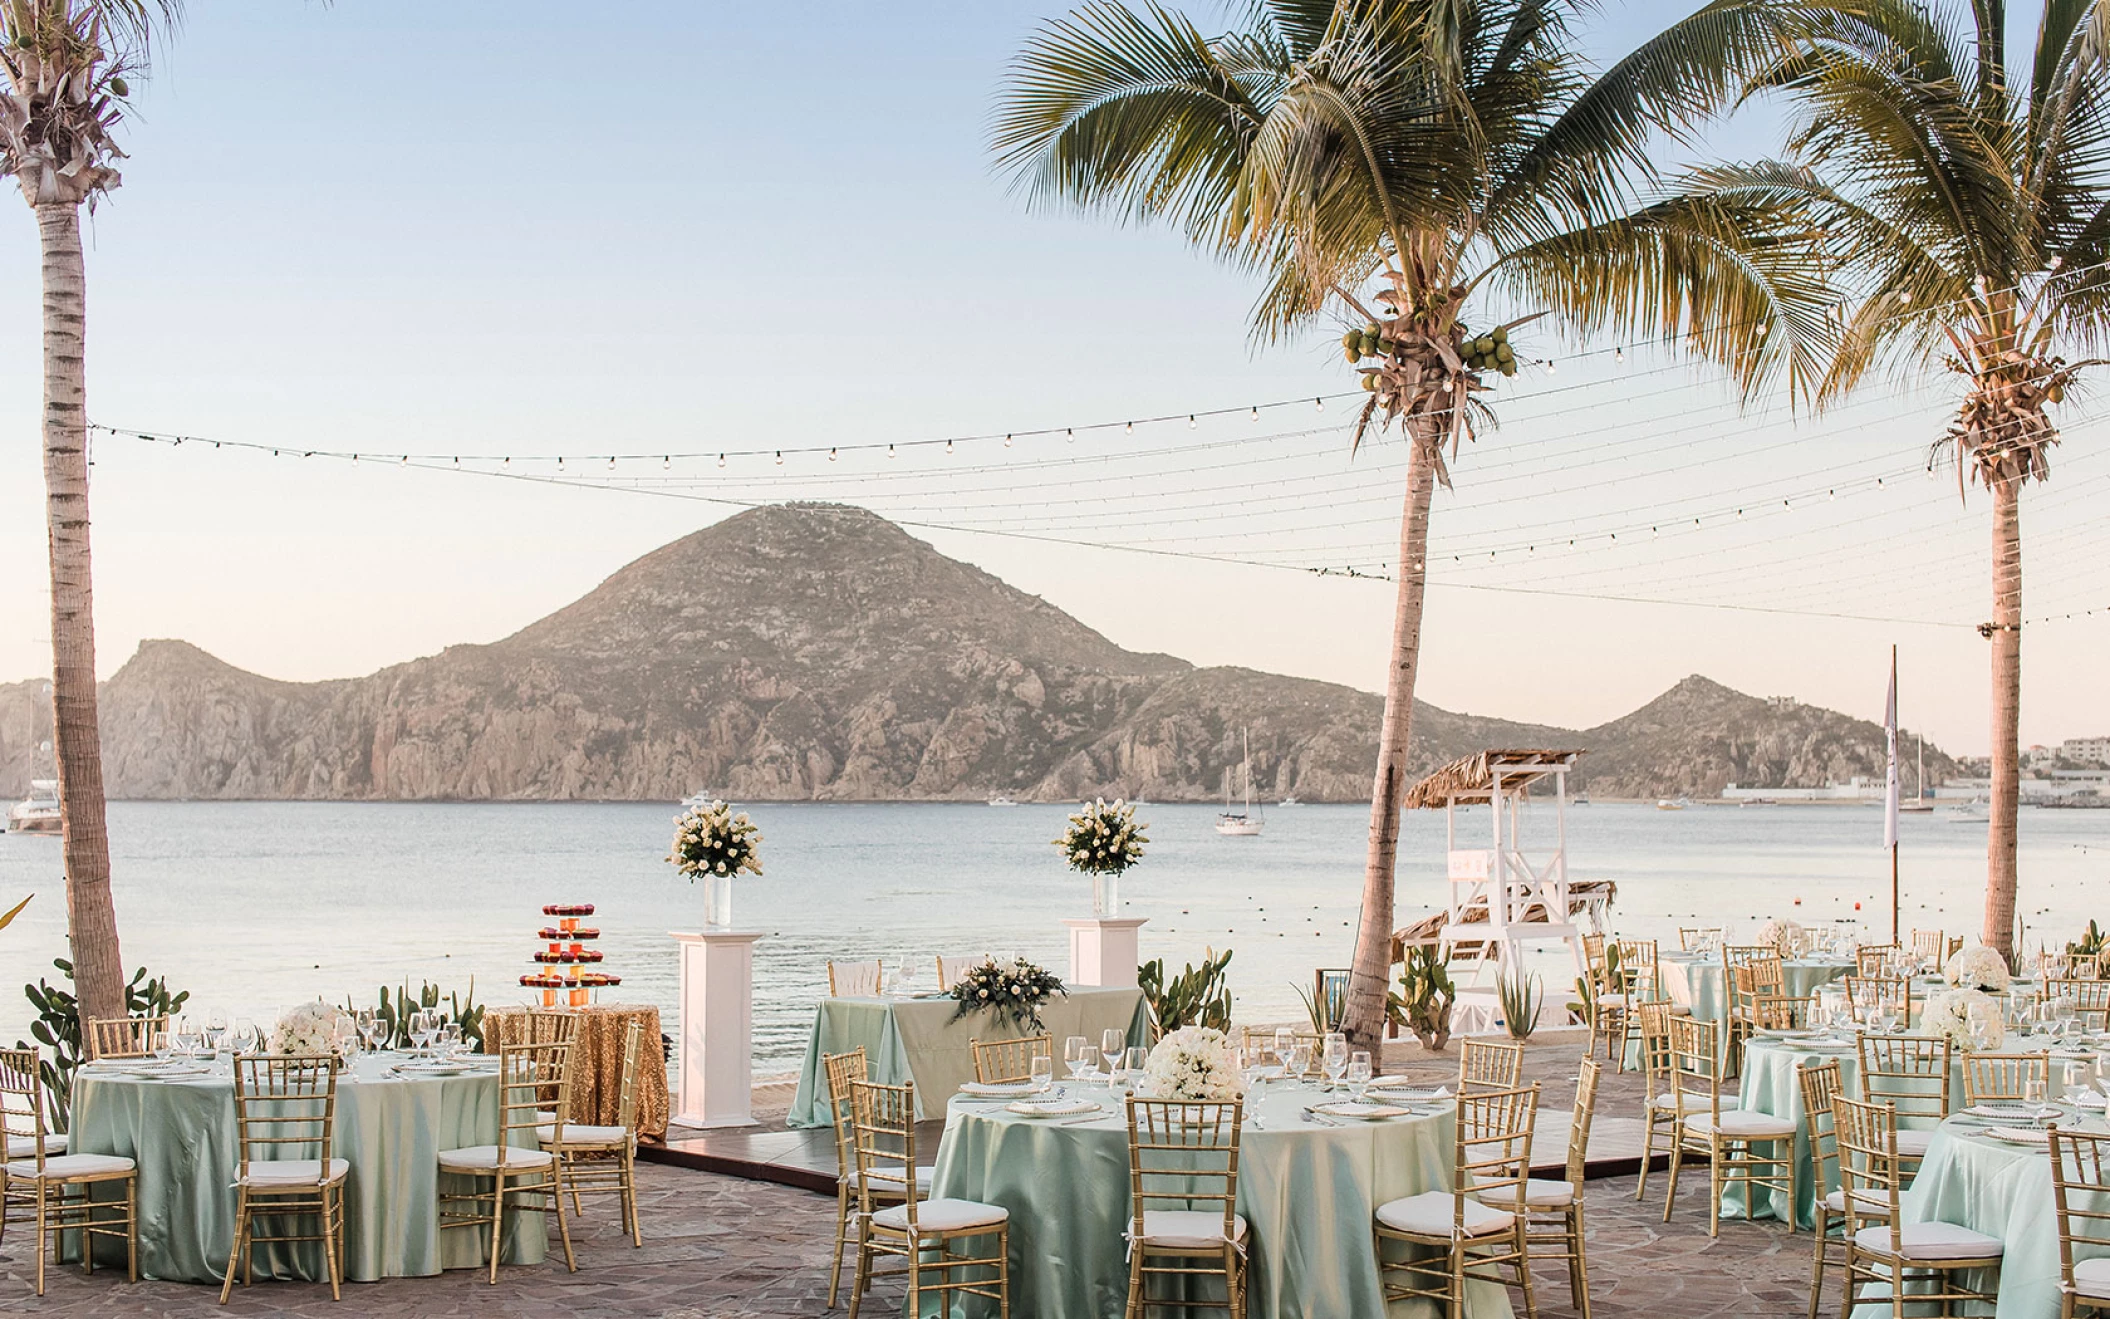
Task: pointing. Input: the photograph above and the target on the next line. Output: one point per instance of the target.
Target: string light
(948, 446)
(780, 457)
(1007, 441)
(1319, 403)
(890, 451)
(1619, 354)
(1129, 429)
(1190, 421)
(831, 454)
(721, 460)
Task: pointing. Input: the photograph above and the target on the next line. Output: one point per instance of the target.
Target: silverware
(1077, 1121)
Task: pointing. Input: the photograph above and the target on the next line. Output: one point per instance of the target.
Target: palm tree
(65, 62)
(1970, 206)
(1404, 164)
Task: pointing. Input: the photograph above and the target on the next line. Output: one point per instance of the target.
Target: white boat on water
(1241, 823)
(695, 799)
(1975, 811)
(38, 813)
(1668, 804)
(1001, 799)
(1289, 801)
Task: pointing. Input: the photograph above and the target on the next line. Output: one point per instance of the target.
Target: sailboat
(1243, 823)
(1919, 805)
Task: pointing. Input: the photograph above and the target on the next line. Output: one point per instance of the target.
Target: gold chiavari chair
(952, 970)
(1866, 993)
(124, 1037)
(1691, 937)
(1955, 947)
(1990, 1078)
(534, 1095)
(1782, 1012)
(1729, 1138)
(1490, 1065)
(1660, 1098)
(854, 979)
(1878, 959)
(1263, 1039)
(602, 1160)
(1743, 954)
(1477, 1230)
(1183, 1185)
(2072, 966)
(285, 1116)
(1594, 956)
(920, 1233)
(1638, 962)
(1911, 1074)
(1008, 1062)
(2081, 1194)
(844, 1071)
(1749, 981)
(55, 1191)
(1820, 1084)
(1930, 945)
(2091, 999)
(1555, 1208)
(1923, 1263)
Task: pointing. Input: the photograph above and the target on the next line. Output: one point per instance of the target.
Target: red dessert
(568, 909)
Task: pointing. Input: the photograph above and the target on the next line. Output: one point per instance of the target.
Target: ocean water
(255, 906)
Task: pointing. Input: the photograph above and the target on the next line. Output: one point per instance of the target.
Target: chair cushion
(484, 1159)
(1740, 1125)
(1693, 1103)
(1188, 1229)
(1869, 1202)
(2091, 1277)
(884, 1182)
(1930, 1241)
(25, 1147)
(581, 1134)
(942, 1216)
(1543, 1193)
(1431, 1214)
(68, 1166)
(292, 1173)
(1913, 1141)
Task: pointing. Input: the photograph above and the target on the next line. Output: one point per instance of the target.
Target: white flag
(1890, 737)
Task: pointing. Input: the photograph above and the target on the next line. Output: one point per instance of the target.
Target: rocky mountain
(820, 652)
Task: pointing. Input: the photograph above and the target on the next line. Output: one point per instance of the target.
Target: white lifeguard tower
(1508, 893)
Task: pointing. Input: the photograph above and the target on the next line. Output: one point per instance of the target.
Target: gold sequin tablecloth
(596, 1085)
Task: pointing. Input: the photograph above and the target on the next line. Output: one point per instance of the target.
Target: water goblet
(363, 1021)
(162, 1044)
(187, 1038)
(1252, 1069)
(450, 1038)
(1285, 1041)
(1076, 1055)
(216, 1030)
(1134, 1061)
(1358, 1074)
(1300, 1060)
(1335, 1058)
(1113, 1042)
(1043, 1072)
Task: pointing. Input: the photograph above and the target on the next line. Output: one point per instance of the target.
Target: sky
(497, 231)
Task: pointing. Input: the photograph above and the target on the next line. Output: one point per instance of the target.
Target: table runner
(597, 1063)
(917, 1040)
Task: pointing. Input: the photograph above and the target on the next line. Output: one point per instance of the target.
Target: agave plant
(1417, 167)
(1522, 1000)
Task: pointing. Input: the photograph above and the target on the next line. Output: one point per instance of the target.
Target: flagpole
(1890, 803)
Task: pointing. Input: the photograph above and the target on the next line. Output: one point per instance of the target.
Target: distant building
(2086, 750)
(2038, 756)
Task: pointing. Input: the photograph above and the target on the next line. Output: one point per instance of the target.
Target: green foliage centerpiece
(713, 844)
(1103, 840)
(1014, 992)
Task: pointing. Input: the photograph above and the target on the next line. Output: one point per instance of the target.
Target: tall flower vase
(1106, 896)
(717, 902)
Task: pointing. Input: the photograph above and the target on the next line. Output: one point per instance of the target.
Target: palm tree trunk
(91, 915)
(2007, 714)
(1371, 976)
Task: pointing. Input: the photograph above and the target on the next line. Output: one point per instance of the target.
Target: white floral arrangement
(1968, 1018)
(310, 1028)
(1103, 838)
(1193, 1062)
(1978, 967)
(712, 840)
(1786, 936)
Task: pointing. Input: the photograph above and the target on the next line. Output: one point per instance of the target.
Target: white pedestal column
(717, 1028)
(1103, 953)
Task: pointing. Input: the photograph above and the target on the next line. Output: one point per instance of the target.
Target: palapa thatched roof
(1471, 778)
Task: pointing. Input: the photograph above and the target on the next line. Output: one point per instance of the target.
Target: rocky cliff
(820, 652)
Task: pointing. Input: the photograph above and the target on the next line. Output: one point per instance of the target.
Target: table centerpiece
(1014, 992)
(713, 844)
(1102, 841)
(1193, 1062)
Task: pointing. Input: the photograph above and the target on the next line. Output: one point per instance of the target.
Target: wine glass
(1113, 1042)
(187, 1038)
(364, 1021)
(1133, 1062)
(216, 1030)
(1253, 1069)
(1285, 1042)
(1076, 1055)
(1043, 1072)
(2033, 1092)
(162, 1045)
(2073, 1083)
(1300, 1060)
(904, 975)
(1335, 1058)
(1358, 1074)
(450, 1038)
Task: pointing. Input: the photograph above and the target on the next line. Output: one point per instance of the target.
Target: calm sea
(256, 906)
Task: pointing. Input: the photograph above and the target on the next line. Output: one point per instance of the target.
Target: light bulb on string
(1319, 403)
(721, 460)
(508, 461)
(1190, 421)
(780, 457)
(948, 446)
(406, 460)
(1256, 412)
(611, 462)
(1069, 434)
(666, 462)
(831, 453)
(1549, 366)
(1619, 354)
(890, 451)
(1129, 429)
(1007, 441)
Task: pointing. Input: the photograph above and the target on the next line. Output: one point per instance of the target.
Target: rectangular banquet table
(597, 1063)
(916, 1039)
(1308, 1192)
(391, 1129)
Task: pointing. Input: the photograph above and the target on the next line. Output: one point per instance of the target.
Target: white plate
(1410, 1092)
(2089, 1099)
(997, 1090)
(1391, 1082)
(1786, 1034)
(1366, 1112)
(2010, 1112)
(435, 1069)
(1052, 1107)
(174, 1073)
(2020, 1135)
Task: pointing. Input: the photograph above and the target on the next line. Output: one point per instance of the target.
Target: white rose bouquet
(1786, 936)
(1978, 967)
(1103, 839)
(712, 840)
(310, 1028)
(1968, 1018)
(1014, 992)
(1193, 1062)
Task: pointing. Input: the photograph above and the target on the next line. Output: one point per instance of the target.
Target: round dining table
(390, 1127)
(1308, 1189)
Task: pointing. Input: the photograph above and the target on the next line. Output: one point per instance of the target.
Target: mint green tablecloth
(907, 1039)
(1308, 1193)
(1698, 985)
(2003, 1191)
(391, 1130)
